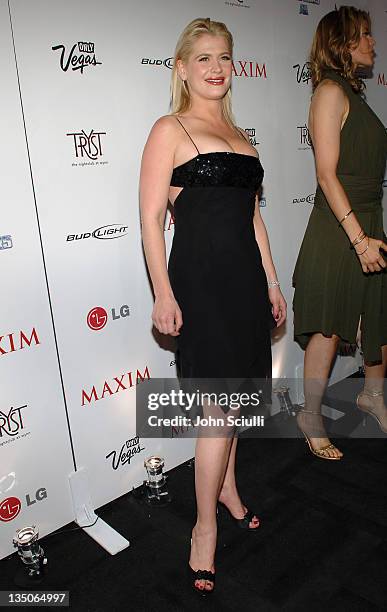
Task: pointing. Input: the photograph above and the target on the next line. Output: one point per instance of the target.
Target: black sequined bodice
(223, 169)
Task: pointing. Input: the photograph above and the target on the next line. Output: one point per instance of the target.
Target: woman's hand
(372, 259)
(167, 316)
(278, 305)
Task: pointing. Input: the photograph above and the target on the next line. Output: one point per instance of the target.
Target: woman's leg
(374, 383)
(229, 493)
(211, 458)
(319, 356)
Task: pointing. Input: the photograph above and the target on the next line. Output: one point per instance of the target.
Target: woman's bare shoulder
(328, 88)
(164, 131)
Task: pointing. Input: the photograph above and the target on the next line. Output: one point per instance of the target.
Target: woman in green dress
(340, 277)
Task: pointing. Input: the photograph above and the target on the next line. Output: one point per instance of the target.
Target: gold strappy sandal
(321, 453)
(367, 410)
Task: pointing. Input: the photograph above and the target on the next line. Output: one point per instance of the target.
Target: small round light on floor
(155, 486)
(30, 551)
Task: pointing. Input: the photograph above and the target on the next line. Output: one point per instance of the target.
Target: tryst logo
(305, 141)
(87, 145)
(98, 316)
(11, 422)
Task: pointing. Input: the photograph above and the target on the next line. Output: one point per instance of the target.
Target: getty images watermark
(206, 407)
(262, 408)
(190, 403)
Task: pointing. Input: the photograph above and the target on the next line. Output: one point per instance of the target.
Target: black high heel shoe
(201, 575)
(243, 523)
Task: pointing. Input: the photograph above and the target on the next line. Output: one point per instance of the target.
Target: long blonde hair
(338, 32)
(180, 96)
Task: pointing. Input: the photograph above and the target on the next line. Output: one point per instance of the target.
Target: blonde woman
(216, 297)
(340, 277)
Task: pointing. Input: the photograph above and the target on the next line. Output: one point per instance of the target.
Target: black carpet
(322, 543)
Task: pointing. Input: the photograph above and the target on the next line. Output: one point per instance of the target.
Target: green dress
(331, 290)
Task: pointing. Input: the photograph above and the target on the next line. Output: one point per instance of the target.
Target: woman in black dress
(216, 297)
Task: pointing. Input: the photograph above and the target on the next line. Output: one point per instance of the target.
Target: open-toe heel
(323, 452)
(244, 522)
(206, 575)
(194, 575)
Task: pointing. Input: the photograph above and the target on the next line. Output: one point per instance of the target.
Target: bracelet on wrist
(273, 283)
(345, 216)
(362, 253)
(358, 238)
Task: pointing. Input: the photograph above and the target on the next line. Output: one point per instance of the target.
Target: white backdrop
(94, 76)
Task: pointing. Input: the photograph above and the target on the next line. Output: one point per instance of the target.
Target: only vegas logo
(125, 453)
(80, 56)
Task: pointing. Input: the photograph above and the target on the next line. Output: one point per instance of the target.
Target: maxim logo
(11, 423)
(106, 232)
(303, 73)
(87, 146)
(381, 80)
(17, 341)
(80, 56)
(252, 69)
(123, 456)
(118, 383)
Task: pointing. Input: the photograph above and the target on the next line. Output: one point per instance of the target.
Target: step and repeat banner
(82, 84)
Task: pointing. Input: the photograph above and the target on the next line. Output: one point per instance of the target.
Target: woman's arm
(275, 295)
(276, 298)
(328, 108)
(156, 170)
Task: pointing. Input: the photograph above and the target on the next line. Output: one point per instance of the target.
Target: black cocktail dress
(216, 271)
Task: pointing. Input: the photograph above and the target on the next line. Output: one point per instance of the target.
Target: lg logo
(11, 506)
(98, 316)
(9, 509)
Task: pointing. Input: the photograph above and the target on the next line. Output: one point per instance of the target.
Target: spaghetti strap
(188, 135)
